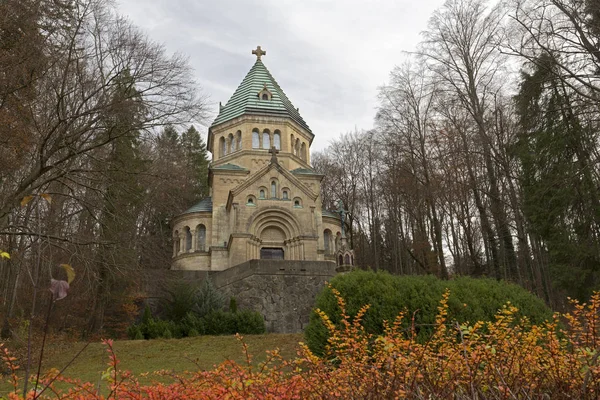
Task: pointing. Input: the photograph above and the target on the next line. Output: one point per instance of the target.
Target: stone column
(181, 243)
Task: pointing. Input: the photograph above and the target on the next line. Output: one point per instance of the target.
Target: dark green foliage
(232, 305)
(181, 299)
(147, 316)
(388, 295)
(227, 323)
(556, 149)
(214, 323)
(190, 323)
(196, 158)
(184, 298)
(249, 322)
(208, 299)
(220, 323)
(192, 311)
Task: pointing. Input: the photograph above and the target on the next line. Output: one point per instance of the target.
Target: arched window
(327, 241)
(261, 194)
(231, 141)
(238, 139)
(277, 140)
(347, 259)
(188, 239)
(292, 142)
(250, 201)
(341, 260)
(201, 238)
(177, 242)
(298, 202)
(265, 96)
(285, 195)
(222, 147)
(266, 139)
(303, 151)
(297, 148)
(273, 189)
(255, 139)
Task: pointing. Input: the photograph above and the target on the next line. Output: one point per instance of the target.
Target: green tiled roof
(303, 171)
(327, 213)
(230, 166)
(245, 99)
(204, 205)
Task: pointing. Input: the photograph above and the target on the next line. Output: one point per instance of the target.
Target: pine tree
(559, 192)
(196, 161)
(122, 198)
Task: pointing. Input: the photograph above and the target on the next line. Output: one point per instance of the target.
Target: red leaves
(502, 359)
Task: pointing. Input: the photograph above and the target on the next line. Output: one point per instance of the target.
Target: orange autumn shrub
(503, 359)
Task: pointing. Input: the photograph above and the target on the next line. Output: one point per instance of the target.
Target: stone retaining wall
(282, 291)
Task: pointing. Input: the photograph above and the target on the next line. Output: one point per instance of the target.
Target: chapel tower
(265, 198)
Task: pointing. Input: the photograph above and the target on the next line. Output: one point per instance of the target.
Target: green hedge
(387, 295)
(189, 310)
(213, 323)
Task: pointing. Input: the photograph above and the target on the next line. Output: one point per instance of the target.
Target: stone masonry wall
(282, 291)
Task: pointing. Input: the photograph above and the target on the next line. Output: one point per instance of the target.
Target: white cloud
(329, 56)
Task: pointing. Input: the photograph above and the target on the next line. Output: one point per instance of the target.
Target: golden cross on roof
(259, 52)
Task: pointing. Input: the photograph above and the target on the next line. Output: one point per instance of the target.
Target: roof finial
(259, 52)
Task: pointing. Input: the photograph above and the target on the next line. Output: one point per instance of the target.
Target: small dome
(204, 205)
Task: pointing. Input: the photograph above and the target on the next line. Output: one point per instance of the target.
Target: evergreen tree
(122, 198)
(560, 193)
(196, 158)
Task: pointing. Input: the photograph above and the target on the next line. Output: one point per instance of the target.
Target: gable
(265, 174)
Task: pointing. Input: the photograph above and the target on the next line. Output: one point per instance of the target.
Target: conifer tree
(560, 194)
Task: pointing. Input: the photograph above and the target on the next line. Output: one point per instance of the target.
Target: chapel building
(265, 200)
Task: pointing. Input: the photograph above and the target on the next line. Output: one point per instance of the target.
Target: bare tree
(460, 48)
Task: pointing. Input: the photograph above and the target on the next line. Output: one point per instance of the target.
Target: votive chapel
(265, 200)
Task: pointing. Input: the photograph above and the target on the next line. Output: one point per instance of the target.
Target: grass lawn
(178, 355)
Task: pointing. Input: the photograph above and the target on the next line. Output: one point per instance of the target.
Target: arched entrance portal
(272, 242)
(276, 236)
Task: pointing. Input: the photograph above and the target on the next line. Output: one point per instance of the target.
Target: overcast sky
(329, 56)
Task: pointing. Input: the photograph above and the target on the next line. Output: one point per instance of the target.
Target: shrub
(219, 323)
(193, 311)
(510, 360)
(214, 323)
(208, 299)
(470, 300)
(249, 322)
(180, 300)
(192, 322)
(232, 305)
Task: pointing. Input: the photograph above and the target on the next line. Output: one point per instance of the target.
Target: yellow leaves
(47, 197)
(70, 272)
(4, 254)
(26, 200)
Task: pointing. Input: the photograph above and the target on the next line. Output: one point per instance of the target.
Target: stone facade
(264, 196)
(262, 235)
